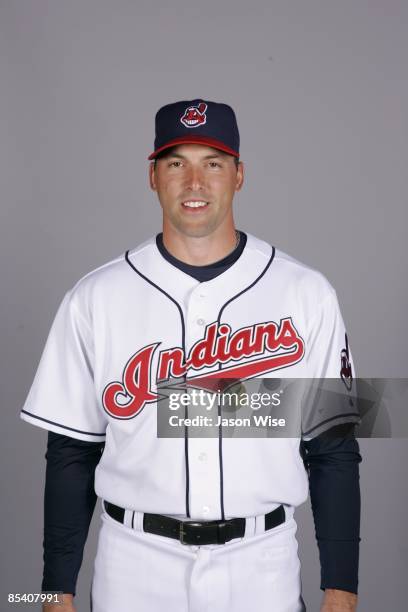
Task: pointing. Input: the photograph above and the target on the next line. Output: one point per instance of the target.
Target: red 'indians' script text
(218, 346)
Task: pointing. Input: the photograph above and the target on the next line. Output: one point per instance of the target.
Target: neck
(202, 250)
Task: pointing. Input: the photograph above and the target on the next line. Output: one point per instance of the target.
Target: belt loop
(137, 520)
(127, 521)
(289, 511)
(250, 526)
(260, 524)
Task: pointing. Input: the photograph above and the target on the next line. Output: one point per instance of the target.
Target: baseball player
(194, 523)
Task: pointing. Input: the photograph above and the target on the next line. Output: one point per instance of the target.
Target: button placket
(203, 452)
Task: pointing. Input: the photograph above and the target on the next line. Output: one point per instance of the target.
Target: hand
(339, 601)
(66, 606)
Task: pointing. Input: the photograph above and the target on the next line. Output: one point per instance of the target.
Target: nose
(195, 178)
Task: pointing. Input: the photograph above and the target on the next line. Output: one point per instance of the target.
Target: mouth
(195, 205)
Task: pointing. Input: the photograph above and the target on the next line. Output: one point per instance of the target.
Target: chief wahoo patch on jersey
(346, 370)
(269, 346)
(194, 115)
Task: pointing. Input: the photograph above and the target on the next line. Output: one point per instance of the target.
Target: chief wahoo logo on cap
(194, 115)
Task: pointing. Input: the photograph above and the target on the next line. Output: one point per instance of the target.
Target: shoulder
(98, 284)
(304, 279)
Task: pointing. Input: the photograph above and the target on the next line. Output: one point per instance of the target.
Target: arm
(67, 605)
(339, 601)
(332, 460)
(69, 502)
(66, 371)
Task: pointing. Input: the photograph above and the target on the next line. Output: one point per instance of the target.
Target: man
(193, 523)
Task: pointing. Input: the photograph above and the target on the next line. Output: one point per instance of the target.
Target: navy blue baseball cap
(196, 122)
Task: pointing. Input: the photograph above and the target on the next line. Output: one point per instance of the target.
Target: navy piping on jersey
(220, 368)
(88, 433)
(183, 342)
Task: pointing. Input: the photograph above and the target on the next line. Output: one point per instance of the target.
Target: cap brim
(204, 140)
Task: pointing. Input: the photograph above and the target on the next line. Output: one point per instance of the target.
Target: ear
(152, 178)
(240, 176)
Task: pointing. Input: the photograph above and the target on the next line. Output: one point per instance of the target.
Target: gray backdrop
(319, 88)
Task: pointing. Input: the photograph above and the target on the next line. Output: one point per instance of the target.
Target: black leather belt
(196, 532)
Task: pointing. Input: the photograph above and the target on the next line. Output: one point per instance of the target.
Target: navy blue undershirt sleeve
(332, 461)
(69, 502)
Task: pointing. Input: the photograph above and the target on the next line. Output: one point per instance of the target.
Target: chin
(196, 230)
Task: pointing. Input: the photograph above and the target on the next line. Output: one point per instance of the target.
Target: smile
(195, 204)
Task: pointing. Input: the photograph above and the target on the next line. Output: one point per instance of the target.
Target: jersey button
(200, 321)
(202, 457)
(206, 510)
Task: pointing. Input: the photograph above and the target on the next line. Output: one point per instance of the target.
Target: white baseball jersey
(139, 320)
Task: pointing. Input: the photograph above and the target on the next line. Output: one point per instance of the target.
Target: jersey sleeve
(62, 397)
(330, 396)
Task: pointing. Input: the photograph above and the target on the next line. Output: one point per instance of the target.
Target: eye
(175, 162)
(214, 164)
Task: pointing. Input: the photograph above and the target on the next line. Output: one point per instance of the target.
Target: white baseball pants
(136, 571)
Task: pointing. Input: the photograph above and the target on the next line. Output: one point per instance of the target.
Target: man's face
(195, 185)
